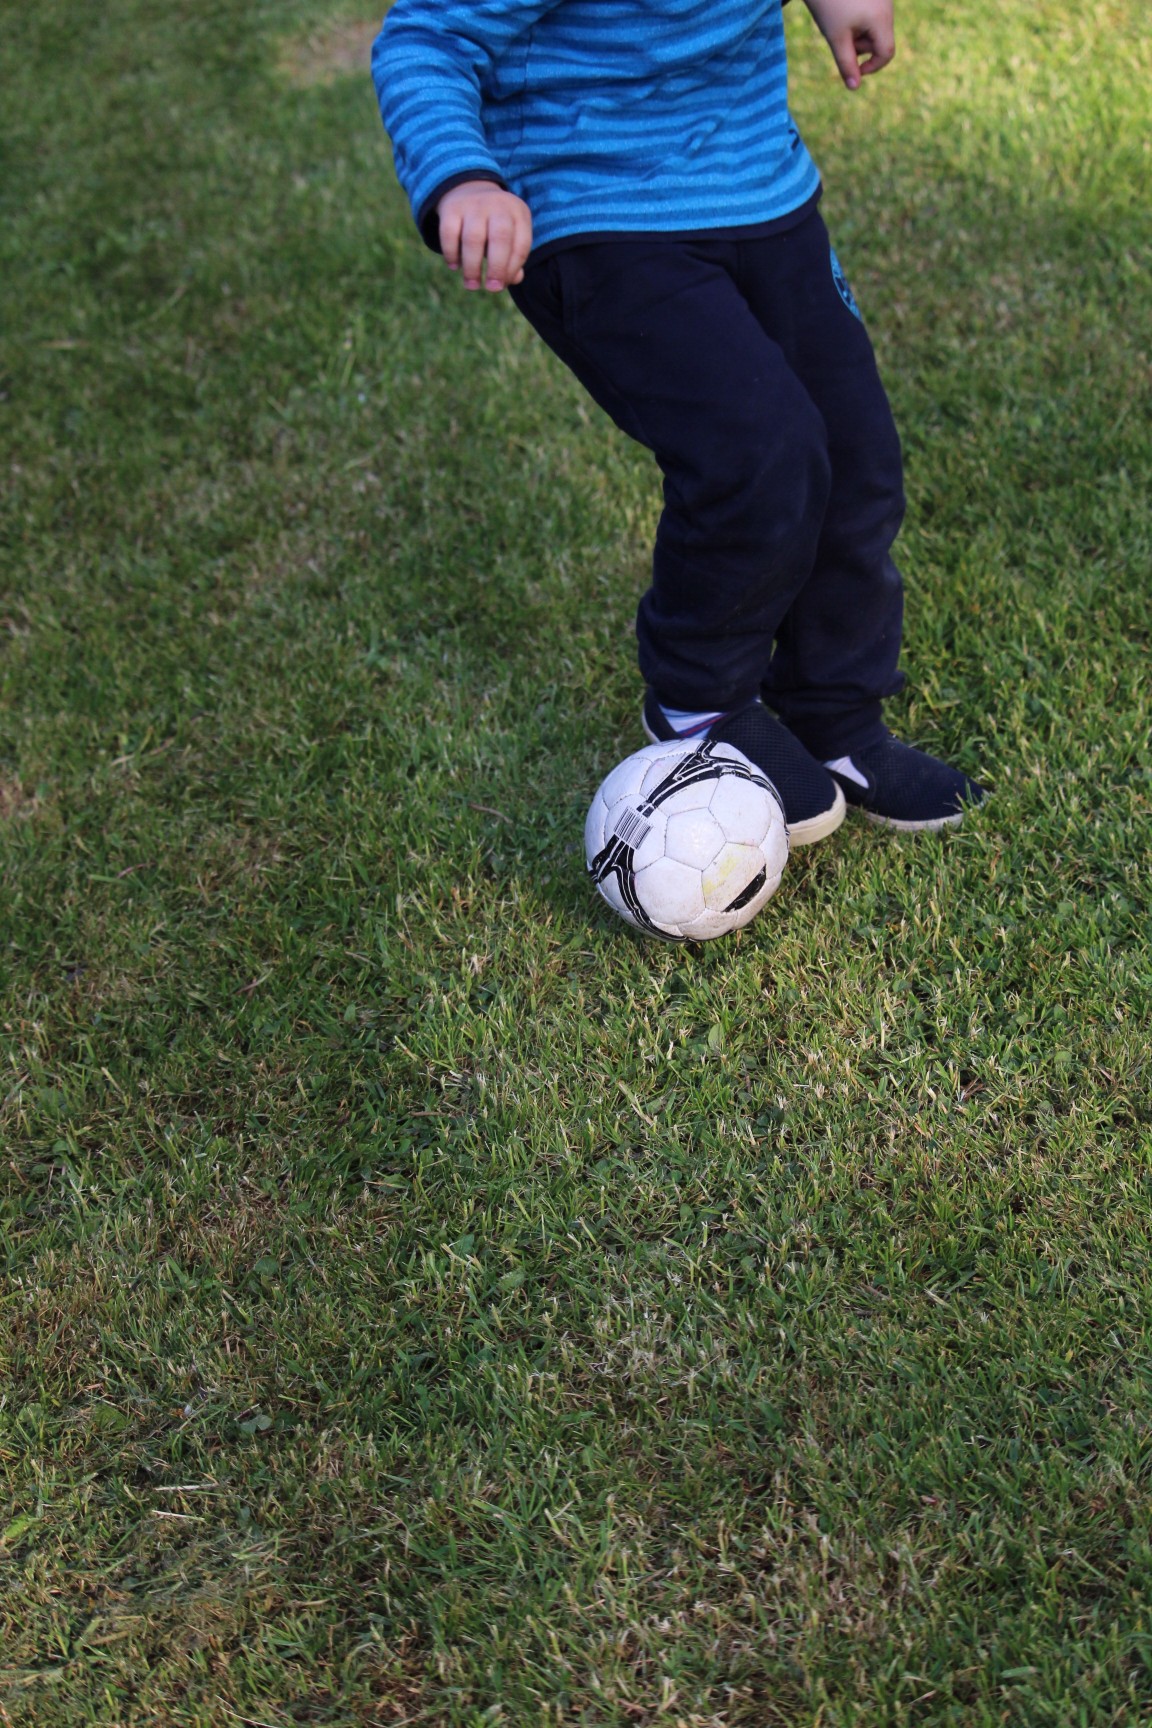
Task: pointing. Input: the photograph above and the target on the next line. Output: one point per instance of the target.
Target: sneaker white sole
(819, 827)
(912, 827)
(804, 833)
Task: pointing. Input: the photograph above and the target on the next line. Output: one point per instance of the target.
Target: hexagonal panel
(728, 876)
(744, 809)
(693, 837)
(670, 892)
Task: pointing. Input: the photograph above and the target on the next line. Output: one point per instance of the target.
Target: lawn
(424, 1300)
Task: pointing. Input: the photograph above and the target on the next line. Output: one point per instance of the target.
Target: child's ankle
(691, 722)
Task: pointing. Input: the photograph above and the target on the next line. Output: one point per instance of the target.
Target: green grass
(424, 1302)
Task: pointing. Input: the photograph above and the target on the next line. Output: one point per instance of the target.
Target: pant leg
(838, 646)
(662, 337)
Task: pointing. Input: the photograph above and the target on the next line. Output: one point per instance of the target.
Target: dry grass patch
(339, 48)
(15, 801)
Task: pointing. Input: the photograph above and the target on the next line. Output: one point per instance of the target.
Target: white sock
(845, 766)
(686, 723)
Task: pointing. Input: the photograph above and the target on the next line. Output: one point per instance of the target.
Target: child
(630, 171)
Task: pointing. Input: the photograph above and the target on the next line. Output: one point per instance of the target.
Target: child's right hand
(478, 221)
(860, 34)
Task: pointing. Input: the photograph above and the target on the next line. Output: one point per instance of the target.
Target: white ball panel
(735, 866)
(693, 838)
(665, 758)
(729, 753)
(626, 778)
(710, 925)
(594, 827)
(745, 809)
(774, 846)
(670, 893)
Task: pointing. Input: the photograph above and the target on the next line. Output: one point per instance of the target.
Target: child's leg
(684, 344)
(662, 338)
(838, 646)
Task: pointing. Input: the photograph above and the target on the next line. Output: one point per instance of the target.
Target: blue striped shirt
(605, 116)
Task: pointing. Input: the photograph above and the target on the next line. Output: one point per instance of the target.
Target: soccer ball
(686, 840)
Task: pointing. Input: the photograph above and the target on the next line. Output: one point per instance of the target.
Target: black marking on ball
(704, 764)
(617, 858)
(749, 894)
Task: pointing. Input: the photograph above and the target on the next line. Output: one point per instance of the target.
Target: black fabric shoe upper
(907, 785)
(806, 788)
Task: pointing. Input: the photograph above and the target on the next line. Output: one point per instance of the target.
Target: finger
(843, 48)
(521, 246)
(501, 234)
(450, 226)
(881, 46)
(472, 248)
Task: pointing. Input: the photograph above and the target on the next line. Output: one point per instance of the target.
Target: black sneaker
(898, 786)
(813, 803)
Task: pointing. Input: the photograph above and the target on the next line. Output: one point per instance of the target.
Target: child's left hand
(860, 34)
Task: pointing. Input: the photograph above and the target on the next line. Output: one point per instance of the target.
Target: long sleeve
(604, 116)
(435, 63)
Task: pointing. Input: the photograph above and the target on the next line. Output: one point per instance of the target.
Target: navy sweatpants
(745, 368)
